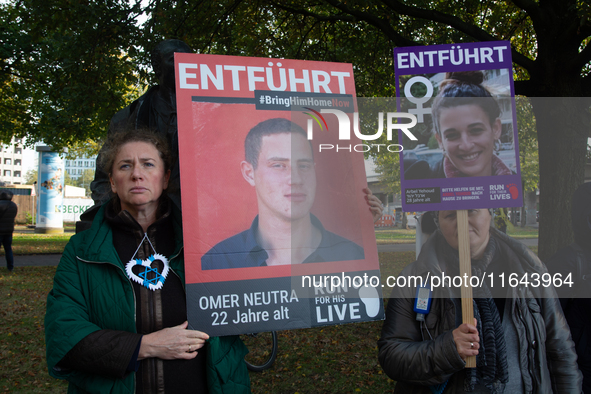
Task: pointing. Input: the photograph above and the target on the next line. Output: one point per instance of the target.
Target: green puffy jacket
(92, 292)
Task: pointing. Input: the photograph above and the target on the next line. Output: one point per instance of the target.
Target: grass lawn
(327, 359)
(22, 343)
(389, 235)
(523, 232)
(25, 241)
(332, 359)
(31, 243)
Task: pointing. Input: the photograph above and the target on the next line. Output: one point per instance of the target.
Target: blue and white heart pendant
(149, 276)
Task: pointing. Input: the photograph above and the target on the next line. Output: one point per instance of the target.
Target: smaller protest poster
(277, 231)
(466, 153)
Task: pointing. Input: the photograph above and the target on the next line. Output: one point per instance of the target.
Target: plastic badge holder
(422, 304)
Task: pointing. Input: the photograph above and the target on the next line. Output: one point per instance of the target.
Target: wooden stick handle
(465, 269)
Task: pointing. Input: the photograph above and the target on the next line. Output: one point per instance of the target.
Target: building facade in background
(11, 163)
(75, 168)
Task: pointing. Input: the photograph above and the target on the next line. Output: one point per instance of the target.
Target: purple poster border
(501, 191)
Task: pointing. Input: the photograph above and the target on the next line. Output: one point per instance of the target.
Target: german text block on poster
(466, 155)
(277, 232)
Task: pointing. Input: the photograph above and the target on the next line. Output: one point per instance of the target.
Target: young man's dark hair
(253, 141)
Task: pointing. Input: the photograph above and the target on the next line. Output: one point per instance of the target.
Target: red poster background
(218, 203)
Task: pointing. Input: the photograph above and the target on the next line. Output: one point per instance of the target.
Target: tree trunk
(563, 128)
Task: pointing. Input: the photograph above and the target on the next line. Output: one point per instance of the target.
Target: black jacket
(8, 211)
(575, 259)
(408, 356)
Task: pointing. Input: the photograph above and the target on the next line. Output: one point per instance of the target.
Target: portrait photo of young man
(279, 164)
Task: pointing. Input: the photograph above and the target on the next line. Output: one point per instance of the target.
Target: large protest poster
(235, 209)
(466, 156)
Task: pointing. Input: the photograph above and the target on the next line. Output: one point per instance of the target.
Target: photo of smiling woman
(467, 127)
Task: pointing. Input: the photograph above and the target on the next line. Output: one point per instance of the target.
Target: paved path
(38, 260)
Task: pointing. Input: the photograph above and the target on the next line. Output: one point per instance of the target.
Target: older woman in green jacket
(116, 316)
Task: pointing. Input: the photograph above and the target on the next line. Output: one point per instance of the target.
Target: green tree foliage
(65, 67)
(84, 180)
(528, 144)
(549, 48)
(68, 180)
(30, 177)
(88, 148)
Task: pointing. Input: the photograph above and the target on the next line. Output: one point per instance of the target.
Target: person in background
(575, 260)
(116, 317)
(519, 336)
(8, 211)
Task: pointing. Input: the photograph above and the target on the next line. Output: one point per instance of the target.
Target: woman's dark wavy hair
(460, 88)
(254, 139)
